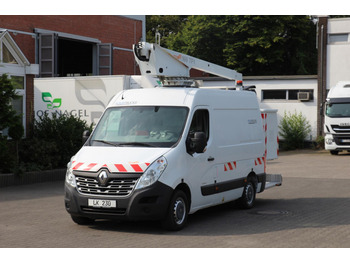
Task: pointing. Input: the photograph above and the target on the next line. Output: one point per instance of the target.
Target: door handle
(211, 158)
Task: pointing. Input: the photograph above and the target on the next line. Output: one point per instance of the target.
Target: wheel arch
(186, 189)
(252, 177)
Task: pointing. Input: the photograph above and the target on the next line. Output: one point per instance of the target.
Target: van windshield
(338, 110)
(147, 126)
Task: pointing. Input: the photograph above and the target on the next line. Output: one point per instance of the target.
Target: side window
(200, 123)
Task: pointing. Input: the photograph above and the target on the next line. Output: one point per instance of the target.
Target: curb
(32, 177)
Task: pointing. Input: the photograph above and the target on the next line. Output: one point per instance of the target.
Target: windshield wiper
(106, 142)
(135, 144)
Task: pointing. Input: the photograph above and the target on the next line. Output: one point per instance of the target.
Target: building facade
(60, 46)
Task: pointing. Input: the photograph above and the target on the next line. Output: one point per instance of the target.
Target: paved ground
(311, 209)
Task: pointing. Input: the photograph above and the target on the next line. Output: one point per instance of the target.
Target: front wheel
(82, 220)
(334, 152)
(176, 217)
(248, 198)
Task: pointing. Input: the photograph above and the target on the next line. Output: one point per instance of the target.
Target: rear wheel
(248, 198)
(82, 220)
(177, 213)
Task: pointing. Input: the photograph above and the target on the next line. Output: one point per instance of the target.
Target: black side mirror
(196, 144)
(86, 135)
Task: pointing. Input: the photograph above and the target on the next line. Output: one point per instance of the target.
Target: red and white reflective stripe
(125, 168)
(230, 166)
(264, 117)
(259, 161)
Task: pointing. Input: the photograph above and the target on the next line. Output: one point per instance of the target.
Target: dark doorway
(74, 58)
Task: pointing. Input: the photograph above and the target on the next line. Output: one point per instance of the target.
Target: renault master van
(165, 153)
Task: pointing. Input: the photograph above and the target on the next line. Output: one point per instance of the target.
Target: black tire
(248, 197)
(82, 220)
(334, 152)
(176, 217)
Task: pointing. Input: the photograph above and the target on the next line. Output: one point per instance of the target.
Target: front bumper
(337, 142)
(150, 203)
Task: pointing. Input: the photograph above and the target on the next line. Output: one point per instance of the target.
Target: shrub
(320, 142)
(294, 128)
(55, 140)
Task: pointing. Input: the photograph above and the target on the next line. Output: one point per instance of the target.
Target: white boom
(157, 61)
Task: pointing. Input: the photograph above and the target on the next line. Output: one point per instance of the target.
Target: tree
(263, 45)
(252, 45)
(201, 37)
(165, 25)
(8, 119)
(8, 116)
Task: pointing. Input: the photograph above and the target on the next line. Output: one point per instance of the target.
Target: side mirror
(86, 135)
(196, 144)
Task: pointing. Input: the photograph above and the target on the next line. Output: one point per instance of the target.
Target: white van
(164, 153)
(337, 118)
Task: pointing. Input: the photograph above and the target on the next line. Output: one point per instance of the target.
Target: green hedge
(55, 140)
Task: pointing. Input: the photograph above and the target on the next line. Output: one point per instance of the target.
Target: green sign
(51, 103)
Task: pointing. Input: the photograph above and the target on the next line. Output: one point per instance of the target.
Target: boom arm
(158, 61)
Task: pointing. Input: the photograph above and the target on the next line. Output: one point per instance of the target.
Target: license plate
(345, 140)
(102, 203)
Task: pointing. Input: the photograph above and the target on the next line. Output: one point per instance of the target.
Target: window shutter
(47, 43)
(105, 59)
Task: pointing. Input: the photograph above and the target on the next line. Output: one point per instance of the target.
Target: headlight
(329, 141)
(153, 172)
(70, 178)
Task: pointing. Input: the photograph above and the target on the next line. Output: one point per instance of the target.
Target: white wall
(308, 109)
(338, 51)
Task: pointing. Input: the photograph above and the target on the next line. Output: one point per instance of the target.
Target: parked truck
(337, 118)
(166, 152)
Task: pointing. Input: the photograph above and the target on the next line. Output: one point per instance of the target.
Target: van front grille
(114, 186)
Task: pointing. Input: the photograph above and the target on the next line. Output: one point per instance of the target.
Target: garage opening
(71, 55)
(75, 58)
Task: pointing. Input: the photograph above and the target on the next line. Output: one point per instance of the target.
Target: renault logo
(102, 178)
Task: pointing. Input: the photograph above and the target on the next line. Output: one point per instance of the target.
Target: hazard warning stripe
(120, 168)
(230, 166)
(89, 167)
(259, 161)
(77, 166)
(125, 168)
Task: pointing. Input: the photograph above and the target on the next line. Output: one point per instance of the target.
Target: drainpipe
(322, 71)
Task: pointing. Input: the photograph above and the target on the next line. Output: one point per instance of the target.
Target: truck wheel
(248, 198)
(82, 220)
(177, 213)
(334, 152)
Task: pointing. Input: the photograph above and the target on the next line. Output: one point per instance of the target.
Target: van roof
(190, 97)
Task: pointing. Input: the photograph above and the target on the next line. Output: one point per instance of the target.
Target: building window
(7, 57)
(274, 94)
(338, 38)
(287, 94)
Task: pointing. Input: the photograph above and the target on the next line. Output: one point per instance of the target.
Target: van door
(201, 165)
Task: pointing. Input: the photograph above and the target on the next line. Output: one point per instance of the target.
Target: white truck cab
(164, 153)
(337, 118)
